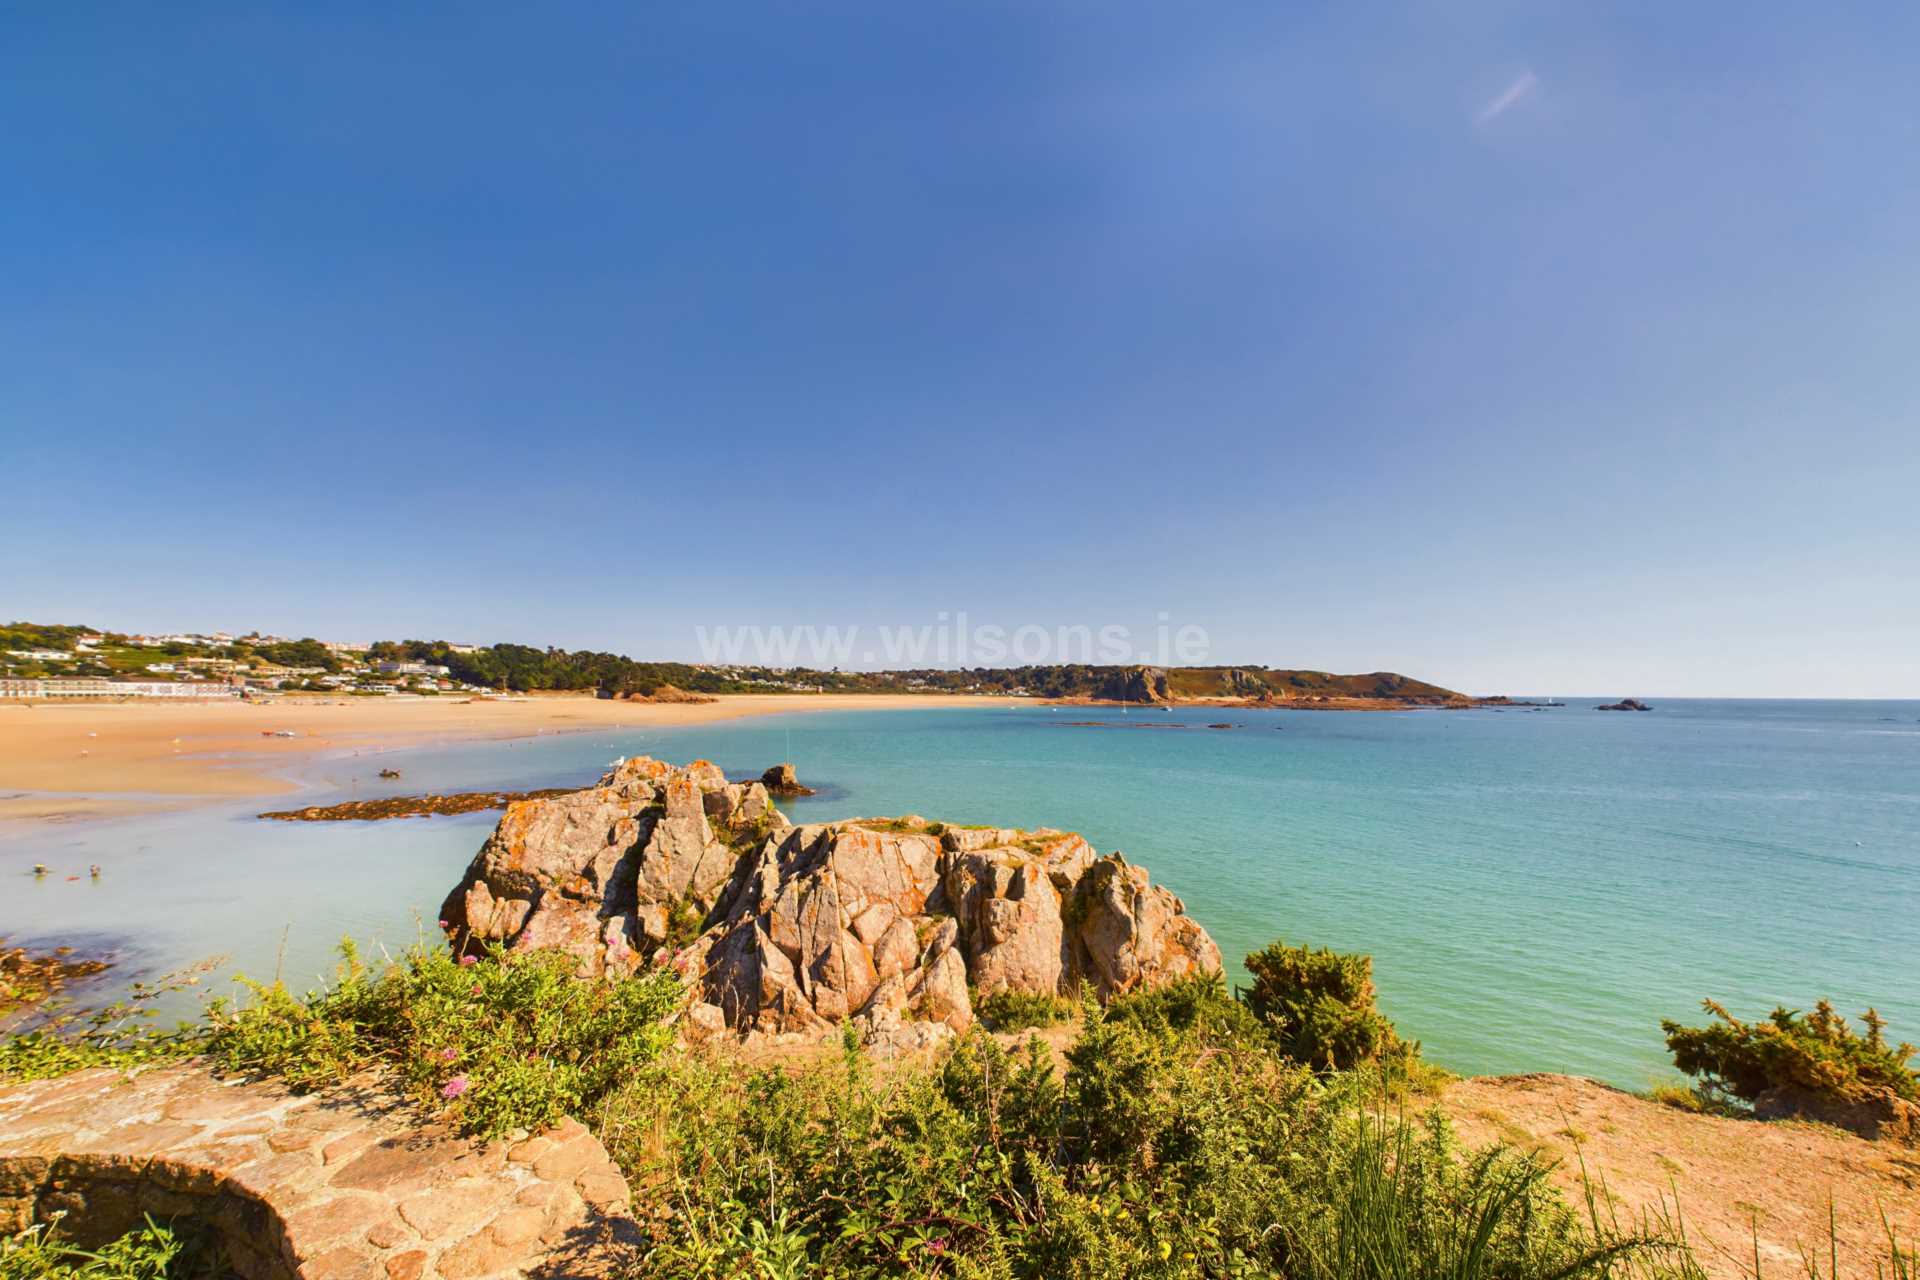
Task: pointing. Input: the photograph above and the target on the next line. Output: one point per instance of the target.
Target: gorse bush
(1198, 1004)
(1021, 1010)
(502, 1041)
(1319, 1006)
(1817, 1052)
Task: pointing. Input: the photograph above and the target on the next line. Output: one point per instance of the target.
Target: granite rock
(894, 923)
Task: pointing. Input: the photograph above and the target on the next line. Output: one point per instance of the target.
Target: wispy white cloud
(1510, 97)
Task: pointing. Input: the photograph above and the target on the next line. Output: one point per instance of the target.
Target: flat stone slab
(347, 1184)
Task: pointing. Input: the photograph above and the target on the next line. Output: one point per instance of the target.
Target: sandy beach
(63, 761)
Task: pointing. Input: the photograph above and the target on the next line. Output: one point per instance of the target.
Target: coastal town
(56, 661)
(217, 665)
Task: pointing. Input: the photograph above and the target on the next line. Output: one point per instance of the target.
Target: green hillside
(525, 667)
(1252, 682)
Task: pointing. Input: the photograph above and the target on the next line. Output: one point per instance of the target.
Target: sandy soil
(76, 760)
(1737, 1182)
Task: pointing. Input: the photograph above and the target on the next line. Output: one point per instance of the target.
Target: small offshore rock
(781, 780)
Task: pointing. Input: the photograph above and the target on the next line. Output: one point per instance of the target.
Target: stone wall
(336, 1186)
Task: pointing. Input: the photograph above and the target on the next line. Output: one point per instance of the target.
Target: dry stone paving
(339, 1185)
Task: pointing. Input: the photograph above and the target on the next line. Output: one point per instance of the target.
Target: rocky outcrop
(785, 930)
(610, 872)
(1625, 704)
(669, 693)
(1247, 683)
(1137, 684)
(781, 780)
(895, 922)
(28, 977)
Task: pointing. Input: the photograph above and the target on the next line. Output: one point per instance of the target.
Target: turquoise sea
(1538, 888)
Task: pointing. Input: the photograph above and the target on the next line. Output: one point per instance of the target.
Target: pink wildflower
(467, 960)
(454, 1087)
(448, 1055)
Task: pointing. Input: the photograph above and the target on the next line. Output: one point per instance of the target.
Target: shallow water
(1538, 888)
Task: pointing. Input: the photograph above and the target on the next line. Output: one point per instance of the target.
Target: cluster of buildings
(96, 687)
(765, 677)
(187, 665)
(387, 678)
(40, 655)
(192, 639)
(412, 669)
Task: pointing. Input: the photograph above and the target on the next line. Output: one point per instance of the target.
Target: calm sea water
(1538, 888)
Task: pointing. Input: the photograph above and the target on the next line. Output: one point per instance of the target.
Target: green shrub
(1198, 1004)
(1679, 1097)
(1817, 1052)
(684, 921)
(154, 1251)
(1167, 1151)
(1319, 1006)
(1696, 1099)
(503, 1041)
(56, 1037)
(1021, 1010)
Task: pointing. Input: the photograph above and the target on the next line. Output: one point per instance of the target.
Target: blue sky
(1518, 347)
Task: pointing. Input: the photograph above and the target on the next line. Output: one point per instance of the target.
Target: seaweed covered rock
(783, 930)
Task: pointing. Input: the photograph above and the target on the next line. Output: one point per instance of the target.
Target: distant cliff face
(1136, 684)
(784, 929)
